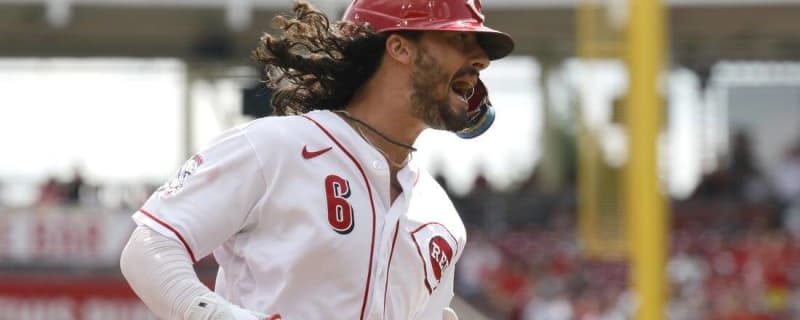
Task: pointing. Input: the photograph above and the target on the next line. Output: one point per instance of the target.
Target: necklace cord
(385, 155)
(371, 128)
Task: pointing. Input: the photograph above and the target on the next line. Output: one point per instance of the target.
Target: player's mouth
(463, 90)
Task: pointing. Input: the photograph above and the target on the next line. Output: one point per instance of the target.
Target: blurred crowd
(734, 250)
(77, 192)
(72, 192)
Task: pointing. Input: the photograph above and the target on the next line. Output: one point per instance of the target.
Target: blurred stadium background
(101, 100)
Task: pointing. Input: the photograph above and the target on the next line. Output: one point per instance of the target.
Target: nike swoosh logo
(313, 154)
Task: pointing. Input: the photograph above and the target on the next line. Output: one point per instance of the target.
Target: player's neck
(397, 154)
(382, 134)
(383, 105)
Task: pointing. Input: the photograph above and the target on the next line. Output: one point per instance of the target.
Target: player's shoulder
(436, 199)
(268, 128)
(269, 133)
(428, 184)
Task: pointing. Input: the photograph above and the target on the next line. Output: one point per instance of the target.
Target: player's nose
(478, 58)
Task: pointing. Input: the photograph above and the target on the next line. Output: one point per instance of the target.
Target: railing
(63, 237)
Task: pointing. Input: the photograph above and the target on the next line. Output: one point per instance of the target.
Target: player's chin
(453, 117)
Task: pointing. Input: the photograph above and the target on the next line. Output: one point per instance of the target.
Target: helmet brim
(496, 44)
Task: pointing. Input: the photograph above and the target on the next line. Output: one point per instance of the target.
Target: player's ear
(399, 48)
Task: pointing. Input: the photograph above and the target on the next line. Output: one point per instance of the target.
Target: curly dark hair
(314, 64)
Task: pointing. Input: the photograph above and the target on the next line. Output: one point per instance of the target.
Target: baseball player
(322, 213)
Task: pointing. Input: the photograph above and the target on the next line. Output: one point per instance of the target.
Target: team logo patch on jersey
(174, 185)
(437, 247)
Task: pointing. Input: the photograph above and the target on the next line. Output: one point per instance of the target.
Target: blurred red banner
(64, 237)
(66, 296)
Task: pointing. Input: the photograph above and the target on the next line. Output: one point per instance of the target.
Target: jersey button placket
(381, 172)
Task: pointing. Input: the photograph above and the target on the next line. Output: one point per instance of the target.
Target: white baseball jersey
(297, 212)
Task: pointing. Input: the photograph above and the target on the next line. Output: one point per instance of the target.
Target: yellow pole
(644, 203)
(586, 23)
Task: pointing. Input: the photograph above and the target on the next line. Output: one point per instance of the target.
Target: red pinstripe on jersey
(372, 206)
(424, 268)
(165, 225)
(389, 266)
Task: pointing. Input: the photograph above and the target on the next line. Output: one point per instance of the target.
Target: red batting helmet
(431, 15)
(439, 15)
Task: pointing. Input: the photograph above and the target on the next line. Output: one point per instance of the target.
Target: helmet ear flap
(480, 115)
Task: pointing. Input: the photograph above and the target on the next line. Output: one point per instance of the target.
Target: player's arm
(438, 306)
(160, 271)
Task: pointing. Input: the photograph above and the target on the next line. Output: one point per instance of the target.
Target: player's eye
(461, 39)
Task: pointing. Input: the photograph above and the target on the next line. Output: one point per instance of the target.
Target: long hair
(314, 64)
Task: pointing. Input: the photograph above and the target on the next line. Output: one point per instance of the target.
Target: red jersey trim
(178, 234)
(389, 267)
(371, 203)
(443, 226)
(422, 259)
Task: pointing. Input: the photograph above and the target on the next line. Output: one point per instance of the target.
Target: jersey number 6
(340, 212)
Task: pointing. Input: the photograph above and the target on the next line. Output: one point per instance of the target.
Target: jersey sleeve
(211, 196)
(440, 298)
(443, 294)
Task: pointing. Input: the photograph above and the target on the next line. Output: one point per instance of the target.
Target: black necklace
(365, 125)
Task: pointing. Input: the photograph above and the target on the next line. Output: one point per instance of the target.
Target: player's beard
(429, 104)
